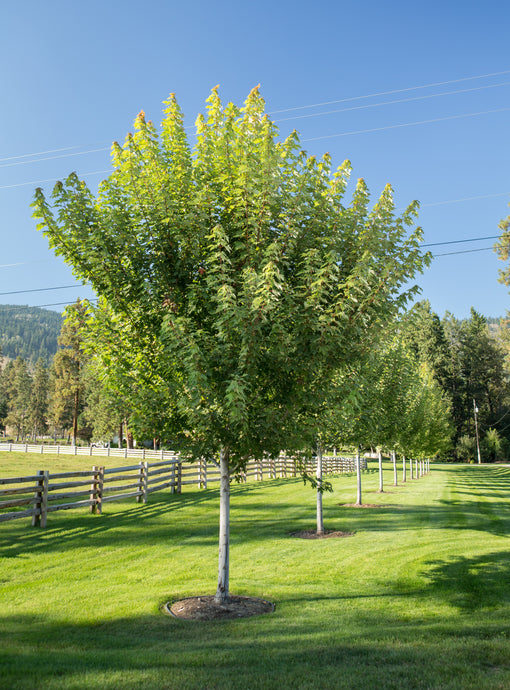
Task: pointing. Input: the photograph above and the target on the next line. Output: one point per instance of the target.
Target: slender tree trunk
(395, 474)
(404, 475)
(222, 593)
(358, 477)
(120, 435)
(411, 468)
(75, 415)
(381, 486)
(318, 474)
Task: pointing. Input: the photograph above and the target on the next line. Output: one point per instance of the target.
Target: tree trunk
(381, 489)
(395, 475)
(318, 475)
(222, 593)
(75, 415)
(120, 435)
(404, 475)
(358, 477)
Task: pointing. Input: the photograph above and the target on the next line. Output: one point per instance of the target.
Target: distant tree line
(76, 395)
(29, 332)
(470, 360)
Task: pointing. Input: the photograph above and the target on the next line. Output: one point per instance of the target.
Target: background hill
(28, 332)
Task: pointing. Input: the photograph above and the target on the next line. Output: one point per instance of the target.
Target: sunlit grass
(419, 597)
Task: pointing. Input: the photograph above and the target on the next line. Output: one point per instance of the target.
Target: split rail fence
(45, 492)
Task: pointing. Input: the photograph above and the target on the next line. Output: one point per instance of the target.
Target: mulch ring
(365, 505)
(204, 608)
(328, 534)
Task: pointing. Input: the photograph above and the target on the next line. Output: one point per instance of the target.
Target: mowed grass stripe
(418, 597)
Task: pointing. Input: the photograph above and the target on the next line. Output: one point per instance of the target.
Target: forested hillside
(28, 332)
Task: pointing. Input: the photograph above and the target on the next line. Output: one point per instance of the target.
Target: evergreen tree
(39, 400)
(19, 387)
(67, 394)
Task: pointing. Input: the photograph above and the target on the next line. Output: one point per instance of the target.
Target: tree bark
(222, 595)
(75, 415)
(404, 475)
(318, 475)
(358, 477)
(395, 475)
(381, 485)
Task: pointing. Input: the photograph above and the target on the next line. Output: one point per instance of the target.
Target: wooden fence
(45, 492)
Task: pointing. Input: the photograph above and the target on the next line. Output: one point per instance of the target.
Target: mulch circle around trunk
(204, 608)
(328, 534)
(364, 505)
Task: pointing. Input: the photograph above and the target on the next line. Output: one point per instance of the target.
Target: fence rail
(37, 495)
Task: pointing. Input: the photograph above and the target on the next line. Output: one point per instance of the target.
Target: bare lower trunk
(320, 521)
(411, 468)
(395, 475)
(381, 486)
(404, 475)
(75, 415)
(358, 477)
(222, 593)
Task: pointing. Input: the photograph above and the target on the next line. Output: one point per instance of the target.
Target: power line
(43, 153)
(51, 158)
(471, 239)
(407, 124)
(402, 100)
(19, 292)
(51, 179)
(468, 198)
(301, 107)
(387, 93)
(465, 251)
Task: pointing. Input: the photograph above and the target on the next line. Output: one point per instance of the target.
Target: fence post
(41, 499)
(179, 477)
(204, 473)
(141, 472)
(96, 490)
(145, 481)
(172, 481)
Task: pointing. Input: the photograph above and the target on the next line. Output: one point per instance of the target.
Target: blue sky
(74, 76)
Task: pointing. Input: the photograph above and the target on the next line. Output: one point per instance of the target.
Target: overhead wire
(387, 93)
(302, 107)
(351, 99)
(402, 100)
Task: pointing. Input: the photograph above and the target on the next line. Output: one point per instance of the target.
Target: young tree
(241, 264)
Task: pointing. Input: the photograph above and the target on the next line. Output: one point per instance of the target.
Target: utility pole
(475, 408)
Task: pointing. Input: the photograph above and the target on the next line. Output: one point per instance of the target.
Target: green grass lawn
(419, 597)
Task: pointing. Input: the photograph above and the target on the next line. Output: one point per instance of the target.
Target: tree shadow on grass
(472, 583)
(282, 650)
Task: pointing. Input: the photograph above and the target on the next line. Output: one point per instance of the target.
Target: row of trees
(469, 362)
